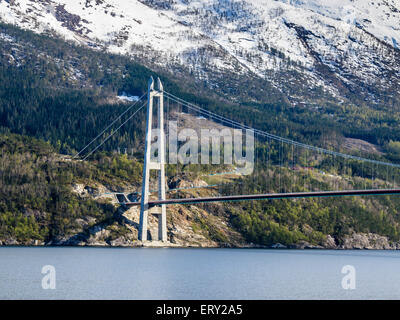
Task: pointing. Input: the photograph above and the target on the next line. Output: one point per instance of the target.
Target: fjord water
(149, 273)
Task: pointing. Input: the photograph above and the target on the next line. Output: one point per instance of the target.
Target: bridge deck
(271, 196)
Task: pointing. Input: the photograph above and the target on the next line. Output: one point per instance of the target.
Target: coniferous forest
(56, 96)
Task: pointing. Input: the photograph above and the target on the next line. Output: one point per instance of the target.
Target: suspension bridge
(280, 168)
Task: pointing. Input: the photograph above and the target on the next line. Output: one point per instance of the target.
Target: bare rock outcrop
(329, 242)
(367, 241)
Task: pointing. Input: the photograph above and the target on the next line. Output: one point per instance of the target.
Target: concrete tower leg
(148, 165)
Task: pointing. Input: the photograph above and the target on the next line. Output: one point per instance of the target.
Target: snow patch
(125, 97)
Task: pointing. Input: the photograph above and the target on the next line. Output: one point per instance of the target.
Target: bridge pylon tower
(154, 95)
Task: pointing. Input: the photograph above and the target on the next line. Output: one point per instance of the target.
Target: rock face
(367, 241)
(10, 242)
(188, 227)
(278, 246)
(329, 242)
(370, 241)
(304, 245)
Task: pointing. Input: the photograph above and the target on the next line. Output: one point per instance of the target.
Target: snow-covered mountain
(308, 50)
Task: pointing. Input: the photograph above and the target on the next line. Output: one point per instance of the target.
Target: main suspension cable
(275, 137)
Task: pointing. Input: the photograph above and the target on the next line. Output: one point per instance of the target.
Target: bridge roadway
(267, 196)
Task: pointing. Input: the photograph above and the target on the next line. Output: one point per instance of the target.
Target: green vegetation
(207, 227)
(393, 149)
(56, 97)
(36, 197)
(290, 221)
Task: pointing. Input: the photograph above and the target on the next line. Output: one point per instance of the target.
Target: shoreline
(200, 247)
(354, 241)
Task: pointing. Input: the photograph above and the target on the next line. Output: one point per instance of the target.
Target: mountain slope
(50, 199)
(307, 52)
(65, 94)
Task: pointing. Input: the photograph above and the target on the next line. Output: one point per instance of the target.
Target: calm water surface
(148, 273)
